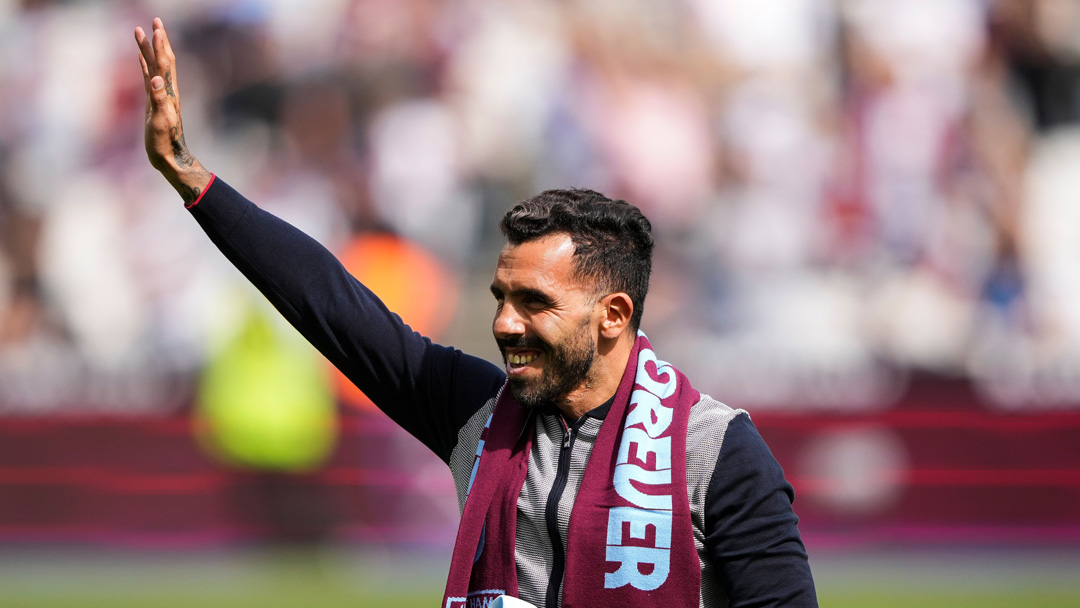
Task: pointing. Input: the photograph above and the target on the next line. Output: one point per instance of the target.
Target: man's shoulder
(705, 433)
(711, 417)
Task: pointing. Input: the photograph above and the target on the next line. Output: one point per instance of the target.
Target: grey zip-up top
(745, 530)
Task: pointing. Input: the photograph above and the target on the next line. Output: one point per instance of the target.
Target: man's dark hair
(612, 239)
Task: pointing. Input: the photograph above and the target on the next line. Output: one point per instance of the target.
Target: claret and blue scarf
(630, 541)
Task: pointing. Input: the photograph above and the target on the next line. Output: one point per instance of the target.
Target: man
(588, 471)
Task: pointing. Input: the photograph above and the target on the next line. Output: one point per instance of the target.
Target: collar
(599, 412)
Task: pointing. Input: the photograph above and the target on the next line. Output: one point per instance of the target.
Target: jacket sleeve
(428, 389)
(751, 531)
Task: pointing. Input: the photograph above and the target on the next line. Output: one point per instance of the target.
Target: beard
(565, 366)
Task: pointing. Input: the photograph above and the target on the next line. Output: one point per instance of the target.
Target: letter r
(629, 559)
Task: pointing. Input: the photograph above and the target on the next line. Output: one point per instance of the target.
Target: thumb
(157, 91)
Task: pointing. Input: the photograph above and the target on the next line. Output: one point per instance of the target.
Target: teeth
(520, 360)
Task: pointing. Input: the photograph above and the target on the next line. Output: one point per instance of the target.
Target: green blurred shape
(265, 402)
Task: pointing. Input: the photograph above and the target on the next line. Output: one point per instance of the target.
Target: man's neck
(602, 381)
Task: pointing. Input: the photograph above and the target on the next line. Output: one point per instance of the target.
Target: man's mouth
(520, 352)
(518, 360)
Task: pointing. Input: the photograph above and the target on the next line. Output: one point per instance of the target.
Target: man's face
(544, 320)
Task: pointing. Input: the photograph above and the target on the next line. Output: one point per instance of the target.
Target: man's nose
(508, 323)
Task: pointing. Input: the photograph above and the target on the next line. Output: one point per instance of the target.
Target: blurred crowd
(844, 192)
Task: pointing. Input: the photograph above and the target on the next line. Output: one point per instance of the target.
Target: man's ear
(616, 310)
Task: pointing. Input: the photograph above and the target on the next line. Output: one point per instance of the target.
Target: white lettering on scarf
(644, 459)
(475, 599)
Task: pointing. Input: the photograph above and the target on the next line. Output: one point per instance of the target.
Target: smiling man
(542, 323)
(600, 477)
(559, 276)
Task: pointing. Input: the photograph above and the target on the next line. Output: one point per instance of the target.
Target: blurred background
(868, 225)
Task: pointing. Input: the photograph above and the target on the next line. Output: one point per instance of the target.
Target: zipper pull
(566, 433)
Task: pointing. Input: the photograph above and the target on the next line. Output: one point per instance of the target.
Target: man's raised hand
(164, 129)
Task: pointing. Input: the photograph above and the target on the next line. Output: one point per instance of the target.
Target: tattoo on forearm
(188, 193)
(183, 158)
(168, 85)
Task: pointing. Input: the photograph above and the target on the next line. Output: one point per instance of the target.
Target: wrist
(188, 181)
(176, 172)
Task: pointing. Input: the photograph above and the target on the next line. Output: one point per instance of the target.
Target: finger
(159, 98)
(172, 87)
(165, 65)
(140, 36)
(145, 80)
(165, 34)
(162, 60)
(145, 72)
(145, 49)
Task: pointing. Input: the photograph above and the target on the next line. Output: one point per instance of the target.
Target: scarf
(630, 541)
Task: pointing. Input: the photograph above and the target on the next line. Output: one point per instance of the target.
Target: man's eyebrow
(523, 292)
(529, 292)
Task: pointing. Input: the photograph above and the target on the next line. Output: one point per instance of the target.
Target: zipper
(551, 516)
